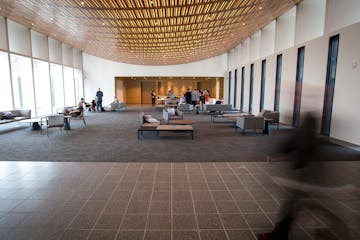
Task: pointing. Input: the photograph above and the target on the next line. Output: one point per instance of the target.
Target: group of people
(196, 96)
(93, 106)
(96, 103)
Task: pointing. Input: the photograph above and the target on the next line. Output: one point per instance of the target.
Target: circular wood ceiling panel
(151, 32)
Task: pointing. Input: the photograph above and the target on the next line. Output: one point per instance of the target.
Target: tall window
(229, 93)
(42, 87)
(235, 87)
(278, 82)
(262, 87)
(298, 86)
(330, 85)
(57, 87)
(251, 87)
(69, 87)
(5, 83)
(23, 87)
(79, 87)
(242, 89)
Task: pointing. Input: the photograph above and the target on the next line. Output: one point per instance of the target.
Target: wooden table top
(182, 122)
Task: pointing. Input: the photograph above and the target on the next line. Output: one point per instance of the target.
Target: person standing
(153, 97)
(99, 96)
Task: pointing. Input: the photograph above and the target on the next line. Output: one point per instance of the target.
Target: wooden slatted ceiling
(152, 32)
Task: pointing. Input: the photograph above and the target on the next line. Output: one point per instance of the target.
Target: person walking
(153, 97)
(99, 96)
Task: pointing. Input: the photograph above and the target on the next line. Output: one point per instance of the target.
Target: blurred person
(153, 97)
(188, 96)
(307, 172)
(114, 105)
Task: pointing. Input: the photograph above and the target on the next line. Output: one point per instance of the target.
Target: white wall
(346, 115)
(99, 72)
(256, 87)
(341, 14)
(255, 43)
(310, 20)
(287, 88)
(285, 30)
(270, 82)
(268, 39)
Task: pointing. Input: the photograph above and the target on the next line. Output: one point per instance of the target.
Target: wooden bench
(147, 127)
(176, 128)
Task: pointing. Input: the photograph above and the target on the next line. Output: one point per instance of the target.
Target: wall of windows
(37, 76)
(5, 82)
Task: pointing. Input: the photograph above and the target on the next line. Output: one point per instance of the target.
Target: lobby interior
(100, 182)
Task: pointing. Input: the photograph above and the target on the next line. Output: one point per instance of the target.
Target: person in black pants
(153, 97)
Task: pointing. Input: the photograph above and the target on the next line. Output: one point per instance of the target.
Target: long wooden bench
(176, 128)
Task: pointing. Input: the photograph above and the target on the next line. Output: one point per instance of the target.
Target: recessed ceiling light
(32, 24)
(103, 24)
(243, 24)
(82, 2)
(260, 8)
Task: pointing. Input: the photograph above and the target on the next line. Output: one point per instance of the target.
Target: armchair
(52, 121)
(250, 123)
(172, 114)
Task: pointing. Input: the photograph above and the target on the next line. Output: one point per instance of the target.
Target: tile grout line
(127, 206)
(152, 194)
(232, 169)
(107, 202)
(232, 196)
(87, 200)
(171, 199)
(192, 200)
(212, 198)
(301, 227)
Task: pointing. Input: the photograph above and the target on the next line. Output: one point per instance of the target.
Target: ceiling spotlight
(82, 3)
(103, 24)
(32, 24)
(243, 24)
(260, 8)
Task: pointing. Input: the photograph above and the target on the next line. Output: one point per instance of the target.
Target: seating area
(217, 108)
(205, 120)
(172, 114)
(14, 116)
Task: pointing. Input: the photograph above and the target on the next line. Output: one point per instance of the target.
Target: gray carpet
(112, 136)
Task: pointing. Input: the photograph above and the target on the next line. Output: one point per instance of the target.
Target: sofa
(14, 116)
(218, 108)
(254, 123)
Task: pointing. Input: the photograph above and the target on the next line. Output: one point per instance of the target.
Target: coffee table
(176, 128)
(34, 123)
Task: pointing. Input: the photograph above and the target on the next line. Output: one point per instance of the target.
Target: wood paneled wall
(136, 90)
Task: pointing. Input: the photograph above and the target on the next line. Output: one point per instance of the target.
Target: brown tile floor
(202, 201)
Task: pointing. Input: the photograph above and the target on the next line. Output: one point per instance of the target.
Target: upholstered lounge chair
(245, 123)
